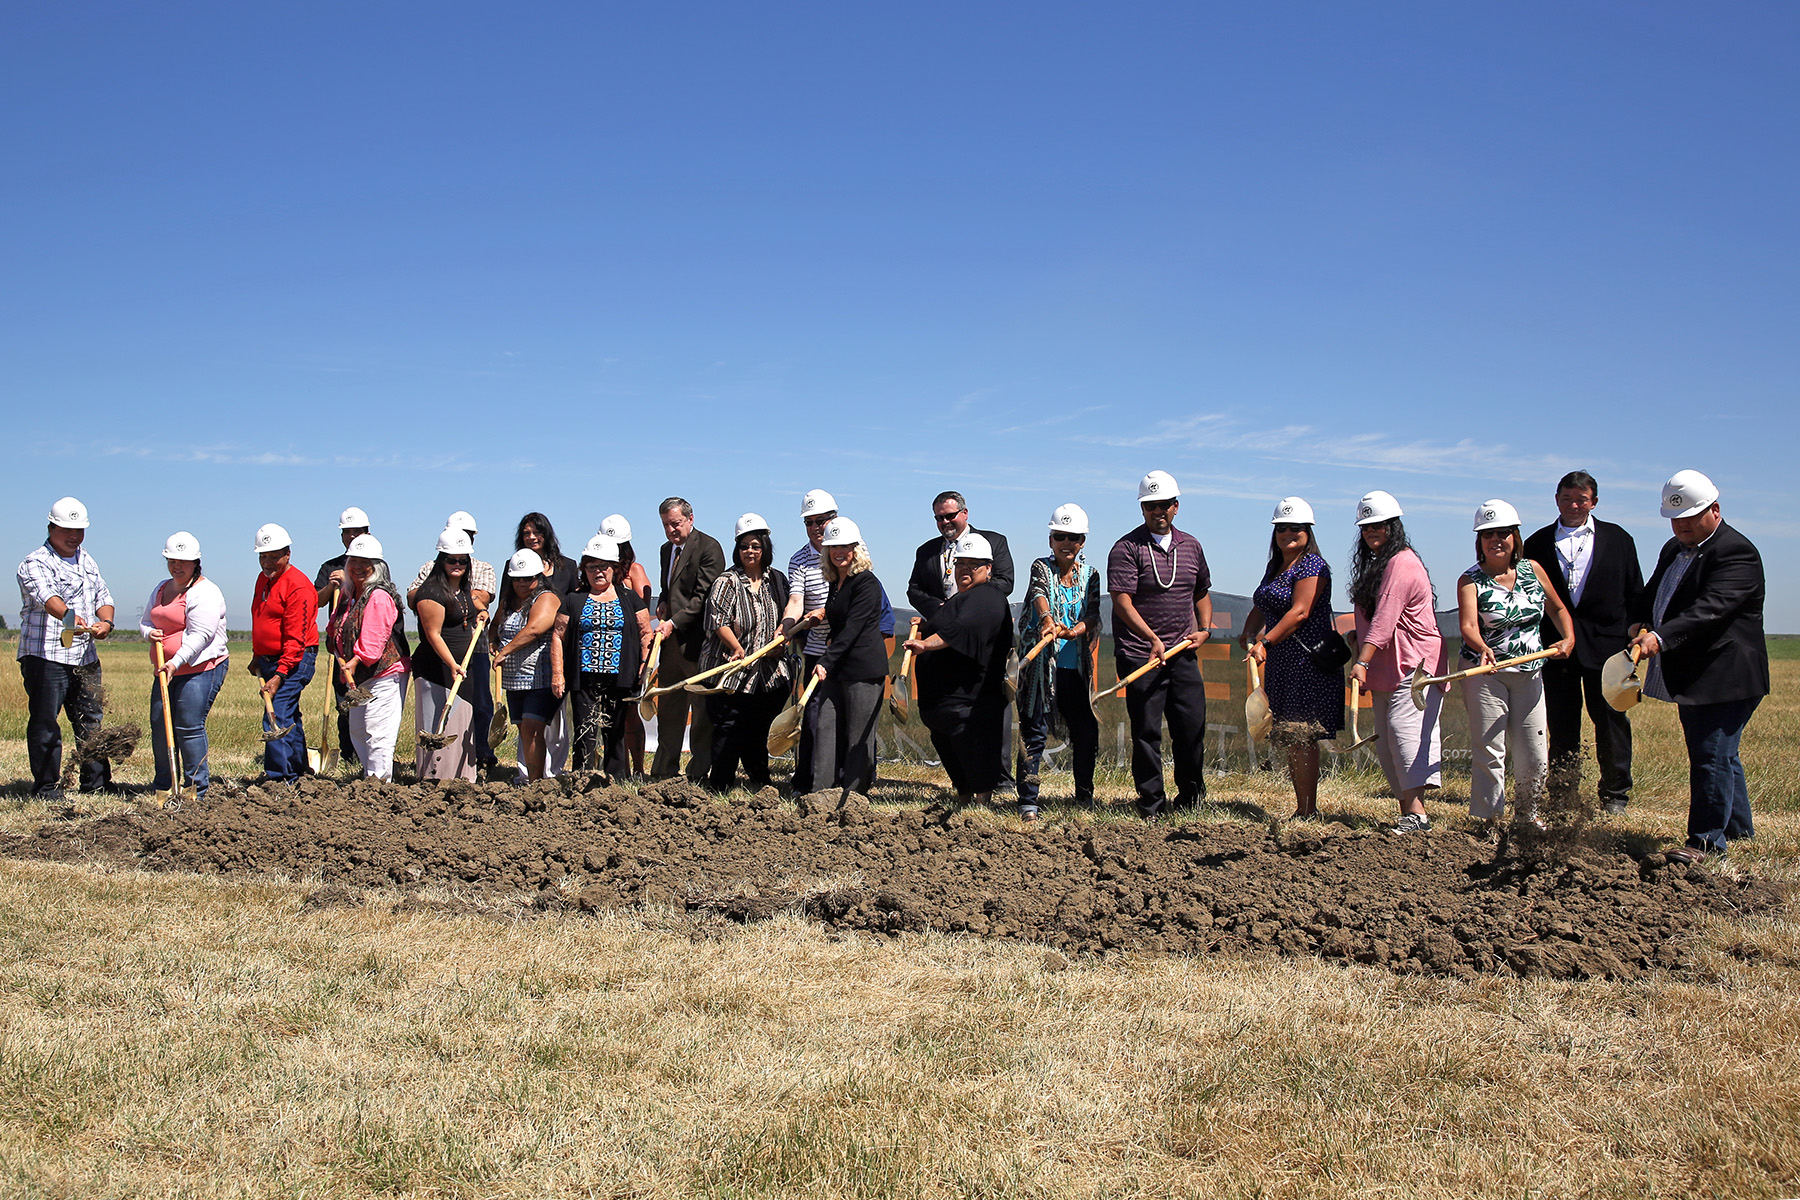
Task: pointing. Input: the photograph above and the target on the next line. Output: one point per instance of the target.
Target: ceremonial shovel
(271, 733)
(1258, 718)
(440, 739)
(731, 668)
(1421, 681)
(325, 758)
(170, 799)
(784, 731)
(1357, 741)
(900, 702)
(68, 628)
(1168, 653)
(1619, 681)
(646, 701)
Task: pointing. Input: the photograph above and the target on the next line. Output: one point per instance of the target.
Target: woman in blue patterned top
(1501, 602)
(743, 614)
(1293, 616)
(1064, 596)
(602, 640)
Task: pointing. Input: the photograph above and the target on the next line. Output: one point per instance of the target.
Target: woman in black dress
(1293, 617)
(853, 669)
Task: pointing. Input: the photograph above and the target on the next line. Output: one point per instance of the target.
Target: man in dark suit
(933, 581)
(691, 560)
(1594, 567)
(1700, 626)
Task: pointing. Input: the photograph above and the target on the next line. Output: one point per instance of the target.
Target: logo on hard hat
(1488, 514)
(1065, 519)
(1154, 487)
(1287, 510)
(1675, 500)
(1367, 510)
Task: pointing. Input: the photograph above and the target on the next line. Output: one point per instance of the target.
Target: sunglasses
(1068, 537)
(951, 516)
(1158, 505)
(1290, 529)
(461, 561)
(818, 522)
(599, 566)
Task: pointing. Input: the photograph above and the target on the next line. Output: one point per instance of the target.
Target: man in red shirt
(284, 639)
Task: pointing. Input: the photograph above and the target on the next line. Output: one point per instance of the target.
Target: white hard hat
(1069, 518)
(616, 528)
(69, 513)
(817, 501)
(1688, 494)
(461, 520)
(455, 540)
(603, 548)
(364, 545)
(1292, 510)
(973, 545)
(182, 546)
(1376, 507)
(842, 532)
(751, 523)
(1158, 485)
(1495, 514)
(272, 537)
(353, 518)
(524, 564)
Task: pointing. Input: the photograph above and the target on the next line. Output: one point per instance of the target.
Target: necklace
(1174, 564)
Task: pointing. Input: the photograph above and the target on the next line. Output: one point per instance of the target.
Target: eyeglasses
(1158, 505)
(951, 516)
(820, 522)
(597, 566)
(1068, 537)
(1290, 529)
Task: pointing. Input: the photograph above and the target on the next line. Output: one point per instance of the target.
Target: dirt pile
(1439, 904)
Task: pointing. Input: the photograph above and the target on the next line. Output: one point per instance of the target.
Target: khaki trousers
(1506, 711)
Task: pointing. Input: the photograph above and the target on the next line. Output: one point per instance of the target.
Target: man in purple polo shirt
(1162, 594)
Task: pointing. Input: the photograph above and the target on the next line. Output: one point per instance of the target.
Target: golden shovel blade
(1258, 717)
(1420, 681)
(784, 731)
(1619, 681)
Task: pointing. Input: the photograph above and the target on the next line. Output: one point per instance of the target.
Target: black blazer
(1615, 583)
(925, 590)
(702, 561)
(857, 652)
(1712, 633)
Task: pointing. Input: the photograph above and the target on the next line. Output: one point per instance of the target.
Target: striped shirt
(805, 577)
(78, 584)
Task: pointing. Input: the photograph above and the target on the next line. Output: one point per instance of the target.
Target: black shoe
(49, 795)
(1614, 808)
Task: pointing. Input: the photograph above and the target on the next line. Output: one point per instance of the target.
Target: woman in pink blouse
(185, 615)
(370, 642)
(1396, 632)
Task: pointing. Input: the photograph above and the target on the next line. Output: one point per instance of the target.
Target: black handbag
(1331, 652)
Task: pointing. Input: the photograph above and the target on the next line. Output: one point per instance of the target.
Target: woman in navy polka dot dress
(1293, 612)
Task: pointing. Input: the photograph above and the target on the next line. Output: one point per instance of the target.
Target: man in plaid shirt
(61, 588)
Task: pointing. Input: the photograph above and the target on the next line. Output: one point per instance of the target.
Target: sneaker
(1028, 815)
(1413, 823)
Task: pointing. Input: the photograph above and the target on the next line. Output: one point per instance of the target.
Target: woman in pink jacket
(1396, 632)
(370, 642)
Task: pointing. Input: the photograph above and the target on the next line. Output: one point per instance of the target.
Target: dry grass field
(205, 1036)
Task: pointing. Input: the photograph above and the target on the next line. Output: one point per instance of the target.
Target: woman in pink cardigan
(1396, 632)
(369, 638)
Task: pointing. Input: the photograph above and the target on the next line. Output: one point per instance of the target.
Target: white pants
(456, 760)
(1506, 709)
(375, 726)
(1408, 747)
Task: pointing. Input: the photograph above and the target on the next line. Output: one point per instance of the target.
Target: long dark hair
(1368, 567)
(464, 601)
(511, 601)
(1274, 567)
(551, 553)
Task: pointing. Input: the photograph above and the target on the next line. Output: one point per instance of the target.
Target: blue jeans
(50, 689)
(285, 757)
(1084, 739)
(1718, 798)
(191, 698)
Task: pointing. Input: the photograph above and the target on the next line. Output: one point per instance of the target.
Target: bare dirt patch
(1444, 903)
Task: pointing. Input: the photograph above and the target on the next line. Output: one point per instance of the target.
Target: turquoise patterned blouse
(1510, 618)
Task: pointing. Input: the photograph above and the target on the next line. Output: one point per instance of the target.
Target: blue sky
(260, 262)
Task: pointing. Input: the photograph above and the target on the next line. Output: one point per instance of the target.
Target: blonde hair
(859, 563)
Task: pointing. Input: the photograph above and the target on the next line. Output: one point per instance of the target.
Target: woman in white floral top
(1502, 602)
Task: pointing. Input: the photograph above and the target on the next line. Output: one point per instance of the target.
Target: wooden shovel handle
(1168, 653)
(1038, 649)
(907, 658)
(462, 673)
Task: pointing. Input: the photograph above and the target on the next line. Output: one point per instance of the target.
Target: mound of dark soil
(1440, 903)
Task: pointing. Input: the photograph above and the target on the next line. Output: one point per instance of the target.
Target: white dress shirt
(1575, 554)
